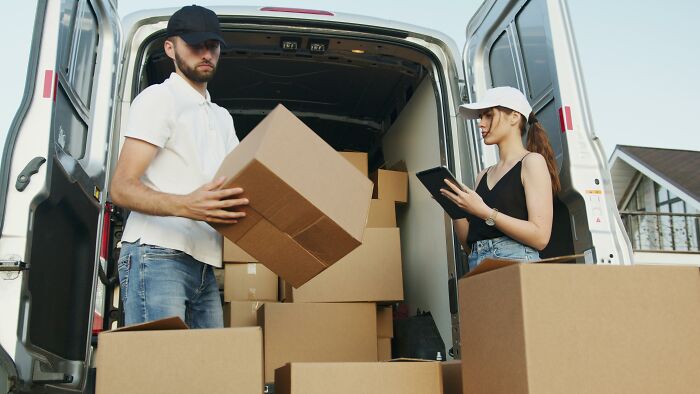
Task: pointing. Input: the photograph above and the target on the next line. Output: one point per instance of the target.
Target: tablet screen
(434, 179)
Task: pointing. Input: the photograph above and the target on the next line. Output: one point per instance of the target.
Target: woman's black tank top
(508, 196)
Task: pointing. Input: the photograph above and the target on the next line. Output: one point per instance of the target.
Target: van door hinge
(11, 265)
(30, 169)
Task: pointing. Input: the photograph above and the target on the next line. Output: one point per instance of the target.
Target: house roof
(675, 169)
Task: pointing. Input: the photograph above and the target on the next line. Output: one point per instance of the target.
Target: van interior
(358, 95)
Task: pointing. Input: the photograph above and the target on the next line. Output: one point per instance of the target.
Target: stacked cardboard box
(352, 378)
(317, 332)
(247, 285)
(385, 331)
(373, 271)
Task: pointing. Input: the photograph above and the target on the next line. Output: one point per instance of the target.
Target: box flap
(491, 264)
(169, 323)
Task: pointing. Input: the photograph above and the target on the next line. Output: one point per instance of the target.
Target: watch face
(489, 222)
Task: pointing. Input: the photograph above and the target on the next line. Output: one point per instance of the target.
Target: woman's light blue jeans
(501, 248)
(157, 282)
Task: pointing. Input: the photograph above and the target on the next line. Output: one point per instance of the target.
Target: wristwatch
(491, 220)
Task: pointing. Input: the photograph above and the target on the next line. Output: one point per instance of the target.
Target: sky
(638, 57)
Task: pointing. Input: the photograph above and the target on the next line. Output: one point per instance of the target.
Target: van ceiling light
(297, 11)
(290, 44)
(318, 46)
(360, 51)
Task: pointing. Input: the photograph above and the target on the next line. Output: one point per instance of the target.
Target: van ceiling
(338, 93)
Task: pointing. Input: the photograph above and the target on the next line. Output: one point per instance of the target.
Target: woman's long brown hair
(537, 141)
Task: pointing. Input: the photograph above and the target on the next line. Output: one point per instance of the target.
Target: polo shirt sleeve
(150, 116)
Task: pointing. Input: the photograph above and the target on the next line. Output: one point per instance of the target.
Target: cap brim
(471, 111)
(199, 37)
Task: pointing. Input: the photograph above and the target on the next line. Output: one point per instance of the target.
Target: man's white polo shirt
(194, 135)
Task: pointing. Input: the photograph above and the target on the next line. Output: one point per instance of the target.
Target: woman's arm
(537, 229)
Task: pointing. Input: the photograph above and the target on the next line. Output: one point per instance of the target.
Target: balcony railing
(662, 232)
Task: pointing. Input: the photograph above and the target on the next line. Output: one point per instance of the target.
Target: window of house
(678, 231)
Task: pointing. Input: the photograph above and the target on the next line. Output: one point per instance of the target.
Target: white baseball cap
(504, 96)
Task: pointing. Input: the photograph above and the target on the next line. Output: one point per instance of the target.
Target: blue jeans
(501, 248)
(157, 282)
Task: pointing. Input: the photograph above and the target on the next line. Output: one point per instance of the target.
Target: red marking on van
(565, 120)
(48, 83)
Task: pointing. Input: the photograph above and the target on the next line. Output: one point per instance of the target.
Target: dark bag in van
(418, 337)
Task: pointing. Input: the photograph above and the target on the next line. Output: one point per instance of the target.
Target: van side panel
(414, 138)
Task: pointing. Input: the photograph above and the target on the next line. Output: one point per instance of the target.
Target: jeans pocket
(153, 251)
(123, 267)
(510, 250)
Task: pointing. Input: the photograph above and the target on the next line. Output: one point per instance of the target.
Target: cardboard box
(383, 349)
(357, 159)
(234, 254)
(308, 206)
(354, 378)
(390, 185)
(241, 313)
(371, 273)
(451, 377)
(165, 357)
(317, 333)
(385, 322)
(382, 213)
(562, 328)
(249, 282)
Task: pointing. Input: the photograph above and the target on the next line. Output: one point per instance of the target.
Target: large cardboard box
(371, 272)
(452, 376)
(308, 205)
(317, 333)
(357, 159)
(354, 378)
(382, 213)
(234, 254)
(574, 328)
(249, 282)
(164, 357)
(390, 185)
(241, 313)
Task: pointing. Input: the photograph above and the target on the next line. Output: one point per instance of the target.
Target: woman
(510, 212)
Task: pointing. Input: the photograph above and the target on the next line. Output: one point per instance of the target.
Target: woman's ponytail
(537, 141)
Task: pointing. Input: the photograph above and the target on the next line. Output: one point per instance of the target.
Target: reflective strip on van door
(565, 121)
(50, 83)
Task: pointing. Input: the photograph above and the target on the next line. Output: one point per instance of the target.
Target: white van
(362, 83)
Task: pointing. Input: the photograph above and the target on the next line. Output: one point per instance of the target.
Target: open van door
(52, 204)
(529, 45)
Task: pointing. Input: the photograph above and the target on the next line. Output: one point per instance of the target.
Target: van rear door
(530, 45)
(51, 194)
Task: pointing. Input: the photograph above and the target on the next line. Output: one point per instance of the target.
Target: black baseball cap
(195, 24)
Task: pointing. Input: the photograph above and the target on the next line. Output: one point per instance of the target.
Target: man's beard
(192, 73)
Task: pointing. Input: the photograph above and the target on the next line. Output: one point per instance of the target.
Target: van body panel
(52, 307)
(53, 225)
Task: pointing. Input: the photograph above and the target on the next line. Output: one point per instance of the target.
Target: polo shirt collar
(188, 91)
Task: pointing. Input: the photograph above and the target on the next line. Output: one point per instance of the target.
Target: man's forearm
(135, 196)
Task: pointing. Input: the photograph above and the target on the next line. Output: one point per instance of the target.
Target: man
(176, 139)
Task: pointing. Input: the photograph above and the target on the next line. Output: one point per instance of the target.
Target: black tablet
(434, 179)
